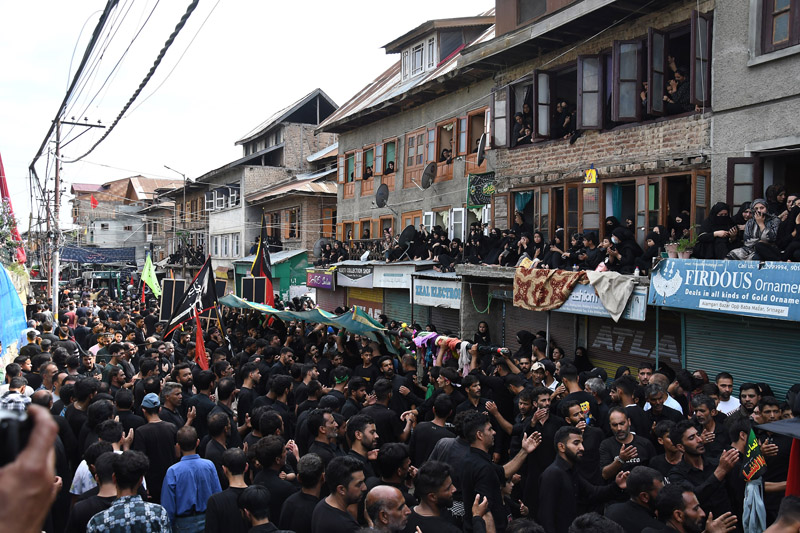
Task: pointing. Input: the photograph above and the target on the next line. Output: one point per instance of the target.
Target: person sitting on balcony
(760, 234)
(446, 157)
(791, 228)
(592, 254)
(338, 253)
(677, 99)
(553, 258)
(526, 136)
(716, 233)
(325, 256)
(623, 252)
(776, 201)
(520, 226)
(365, 233)
(563, 121)
(645, 262)
(389, 168)
(367, 173)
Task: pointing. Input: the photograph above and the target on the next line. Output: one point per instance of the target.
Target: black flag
(262, 266)
(200, 296)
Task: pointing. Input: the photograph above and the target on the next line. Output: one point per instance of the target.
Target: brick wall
(310, 219)
(256, 178)
(300, 142)
(663, 146)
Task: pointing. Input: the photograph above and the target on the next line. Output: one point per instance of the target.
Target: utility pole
(183, 220)
(56, 233)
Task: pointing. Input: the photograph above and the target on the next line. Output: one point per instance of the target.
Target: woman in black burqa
(716, 232)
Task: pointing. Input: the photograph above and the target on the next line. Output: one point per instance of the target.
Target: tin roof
(302, 184)
(283, 114)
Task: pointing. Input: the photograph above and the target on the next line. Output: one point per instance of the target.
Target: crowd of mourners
(301, 427)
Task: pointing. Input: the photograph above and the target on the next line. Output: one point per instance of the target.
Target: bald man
(387, 509)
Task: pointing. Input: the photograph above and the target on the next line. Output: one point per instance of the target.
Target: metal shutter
(330, 300)
(751, 349)
(397, 306)
(518, 319)
(446, 320)
(630, 343)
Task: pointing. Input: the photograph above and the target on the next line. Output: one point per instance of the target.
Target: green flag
(754, 461)
(149, 277)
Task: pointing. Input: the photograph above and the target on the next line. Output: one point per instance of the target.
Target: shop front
(395, 280)
(440, 293)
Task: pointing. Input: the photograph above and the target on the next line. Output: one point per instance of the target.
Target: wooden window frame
(499, 117)
(618, 81)
(704, 98)
(656, 67)
(599, 93)
(462, 135)
(407, 219)
(349, 185)
(475, 112)
(414, 171)
(758, 177)
(328, 222)
(389, 179)
(444, 170)
(767, 26)
(368, 185)
(381, 220)
(539, 103)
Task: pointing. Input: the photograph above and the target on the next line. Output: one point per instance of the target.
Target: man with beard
(714, 435)
(345, 479)
(593, 437)
(749, 396)
(624, 450)
(481, 476)
(657, 396)
(547, 425)
(707, 479)
(638, 512)
(727, 404)
(182, 374)
(678, 508)
(402, 396)
(563, 489)
(434, 488)
(387, 509)
(356, 398)
(363, 439)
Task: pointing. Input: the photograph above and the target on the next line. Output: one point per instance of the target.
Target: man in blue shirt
(188, 485)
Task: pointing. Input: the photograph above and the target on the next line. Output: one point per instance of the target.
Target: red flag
(143, 292)
(793, 480)
(20, 253)
(200, 347)
(93, 202)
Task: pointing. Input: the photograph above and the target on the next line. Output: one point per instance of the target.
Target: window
(233, 192)
(744, 180)
(457, 224)
(417, 59)
(350, 167)
(780, 24)
(431, 53)
(235, 245)
(406, 64)
(412, 218)
(216, 245)
(627, 81)
(210, 200)
(530, 9)
(328, 221)
(128, 228)
(291, 219)
(104, 227)
(224, 239)
(700, 59)
(499, 129)
(415, 153)
(590, 92)
(219, 199)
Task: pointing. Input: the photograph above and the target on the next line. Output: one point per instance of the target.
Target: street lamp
(183, 218)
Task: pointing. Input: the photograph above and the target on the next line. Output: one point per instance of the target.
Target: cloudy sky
(234, 64)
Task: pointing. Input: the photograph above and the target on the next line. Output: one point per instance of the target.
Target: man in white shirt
(663, 380)
(727, 402)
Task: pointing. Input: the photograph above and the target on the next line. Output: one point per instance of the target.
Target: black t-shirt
(610, 448)
(222, 512)
(76, 419)
(371, 374)
(328, 519)
(172, 417)
(387, 422)
(423, 439)
(130, 420)
(279, 491)
(297, 511)
(435, 524)
(84, 510)
(660, 463)
(213, 453)
(157, 441)
(632, 517)
(245, 398)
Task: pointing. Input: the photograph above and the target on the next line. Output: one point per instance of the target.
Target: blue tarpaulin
(98, 255)
(12, 314)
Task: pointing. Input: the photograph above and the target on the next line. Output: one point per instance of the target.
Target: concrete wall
(447, 193)
(117, 236)
(755, 97)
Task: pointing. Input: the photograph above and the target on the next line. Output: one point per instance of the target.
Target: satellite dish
(319, 245)
(382, 195)
(482, 149)
(408, 235)
(429, 174)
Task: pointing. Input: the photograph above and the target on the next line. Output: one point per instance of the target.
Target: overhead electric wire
(146, 79)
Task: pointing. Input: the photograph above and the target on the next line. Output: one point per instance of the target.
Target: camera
(15, 429)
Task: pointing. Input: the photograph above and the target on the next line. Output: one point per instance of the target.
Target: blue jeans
(189, 524)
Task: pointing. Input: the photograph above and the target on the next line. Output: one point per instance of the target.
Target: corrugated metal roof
(274, 258)
(86, 187)
(285, 112)
(389, 85)
(304, 186)
(328, 151)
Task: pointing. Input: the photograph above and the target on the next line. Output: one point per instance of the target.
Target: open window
(657, 44)
(340, 169)
(428, 220)
(457, 224)
(543, 94)
(499, 122)
(328, 221)
(591, 84)
(210, 202)
(415, 153)
(627, 81)
(700, 57)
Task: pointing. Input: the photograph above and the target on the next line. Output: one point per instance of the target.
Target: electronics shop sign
(437, 293)
(744, 288)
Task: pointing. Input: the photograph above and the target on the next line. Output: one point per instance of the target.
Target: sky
(233, 65)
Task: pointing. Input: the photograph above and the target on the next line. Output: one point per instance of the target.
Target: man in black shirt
(202, 401)
(589, 467)
(271, 453)
(357, 388)
(624, 450)
(387, 509)
(85, 509)
(363, 439)
(427, 434)
(298, 508)
(672, 455)
(638, 512)
(389, 425)
(394, 467)
(324, 429)
(679, 510)
(283, 364)
(546, 424)
(656, 395)
(123, 401)
(366, 370)
(563, 489)
(483, 477)
(250, 375)
(216, 444)
(82, 393)
(434, 488)
(222, 511)
(621, 394)
(226, 392)
(171, 410)
(345, 480)
(156, 440)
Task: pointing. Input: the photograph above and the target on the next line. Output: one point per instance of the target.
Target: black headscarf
(715, 222)
(611, 224)
(738, 218)
(533, 245)
(525, 343)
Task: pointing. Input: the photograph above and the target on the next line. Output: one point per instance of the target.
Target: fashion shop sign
(437, 293)
(745, 288)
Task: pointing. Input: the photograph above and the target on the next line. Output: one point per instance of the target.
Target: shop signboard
(321, 279)
(743, 288)
(584, 301)
(355, 276)
(393, 276)
(437, 293)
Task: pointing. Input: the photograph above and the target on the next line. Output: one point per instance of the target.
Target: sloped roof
(461, 22)
(145, 188)
(284, 113)
(389, 88)
(86, 187)
(303, 184)
(328, 151)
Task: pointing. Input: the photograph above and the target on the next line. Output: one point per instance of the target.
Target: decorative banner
(754, 462)
(744, 288)
(321, 280)
(437, 293)
(584, 301)
(355, 276)
(480, 190)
